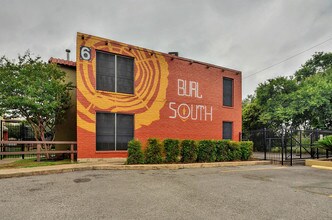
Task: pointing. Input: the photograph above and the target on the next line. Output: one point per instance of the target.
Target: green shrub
(135, 153)
(206, 151)
(189, 151)
(153, 152)
(172, 150)
(326, 143)
(233, 151)
(222, 150)
(246, 148)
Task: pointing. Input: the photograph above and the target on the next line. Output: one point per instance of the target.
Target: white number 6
(85, 53)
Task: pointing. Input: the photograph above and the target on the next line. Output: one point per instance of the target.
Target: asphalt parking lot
(253, 192)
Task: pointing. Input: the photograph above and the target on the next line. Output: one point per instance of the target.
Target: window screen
(125, 130)
(113, 131)
(227, 130)
(105, 67)
(125, 75)
(227, 92)
(115, 73)
(105, 131)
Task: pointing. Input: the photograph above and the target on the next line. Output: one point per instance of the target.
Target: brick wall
(163, 105)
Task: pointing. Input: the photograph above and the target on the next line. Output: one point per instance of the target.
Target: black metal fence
(287, 146)
(15, 130)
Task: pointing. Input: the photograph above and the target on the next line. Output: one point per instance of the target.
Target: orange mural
(151, 72)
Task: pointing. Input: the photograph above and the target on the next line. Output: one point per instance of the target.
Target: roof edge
(62, 62)
(161, 53)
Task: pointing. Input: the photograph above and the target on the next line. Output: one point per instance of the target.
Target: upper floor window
(228, 92)
(115, 73)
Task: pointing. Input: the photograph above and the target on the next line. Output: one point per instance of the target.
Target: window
(115, 73)
(113, 131)
(227, 130)
(227, 92)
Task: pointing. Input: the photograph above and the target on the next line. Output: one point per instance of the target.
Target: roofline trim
(160, 53)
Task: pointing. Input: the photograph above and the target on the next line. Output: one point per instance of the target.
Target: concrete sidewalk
(43, 170)
(7, 160)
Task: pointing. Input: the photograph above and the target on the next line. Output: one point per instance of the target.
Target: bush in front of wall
(153, 152)
(206, 151)
(172, 150)
(135, 153)
(189, 151)
(233, 151)
(222, 150)
(246, 148)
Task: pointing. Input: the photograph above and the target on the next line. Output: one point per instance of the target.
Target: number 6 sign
(85, 53)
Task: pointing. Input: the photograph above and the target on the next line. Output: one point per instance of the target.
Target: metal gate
(287, 146)
(15, 130)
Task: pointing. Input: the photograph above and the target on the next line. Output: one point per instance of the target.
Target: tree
(267, 107)
(251, 112)
(302, 101)
(36, 91)
(274, 97)
(311, 104)
(319, 62)
(250, 117)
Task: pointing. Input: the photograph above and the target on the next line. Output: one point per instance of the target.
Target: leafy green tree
(301, 101)
(251, 112)
(35, 90)
(319, 62)
(268, 106)
(311, 104)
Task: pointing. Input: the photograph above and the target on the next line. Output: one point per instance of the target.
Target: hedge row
(188, 151)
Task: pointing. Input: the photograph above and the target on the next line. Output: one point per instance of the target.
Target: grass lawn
(32, 163)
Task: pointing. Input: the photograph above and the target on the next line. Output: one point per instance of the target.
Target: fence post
(311, 152)
(22, 149)
(72, 153)
(38, 152)
(1, 139)
(265, 144)
(291, 148)
(317, 138)
(300, 144)
(282, 146)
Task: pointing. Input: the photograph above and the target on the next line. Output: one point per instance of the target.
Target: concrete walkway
(7, 173)
(8, 160)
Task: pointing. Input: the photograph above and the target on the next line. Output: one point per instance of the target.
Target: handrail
(39, 151)
(38, 142)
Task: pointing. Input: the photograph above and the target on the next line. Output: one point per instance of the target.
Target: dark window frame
(223, 92)
(223, 130)
(115, 130)
(116, 72)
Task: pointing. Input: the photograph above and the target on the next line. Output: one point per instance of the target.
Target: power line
(287, 58)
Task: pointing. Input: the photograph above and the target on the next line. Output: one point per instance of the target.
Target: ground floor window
(113, 131)
(227, 130)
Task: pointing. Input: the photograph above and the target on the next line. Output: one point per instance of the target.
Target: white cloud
(244, 35)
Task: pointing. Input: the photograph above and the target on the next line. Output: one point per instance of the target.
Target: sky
(244, 35)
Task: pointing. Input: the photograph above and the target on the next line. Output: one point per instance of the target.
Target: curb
(9, 173)
(318, 162)
(321, 167)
